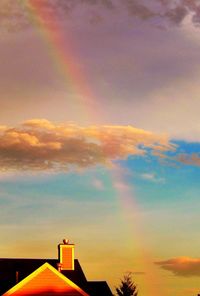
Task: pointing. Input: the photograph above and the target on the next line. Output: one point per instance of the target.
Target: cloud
(137, 9)
(18, 15)
(182, 266)
(193, 7)
(39, 144)
(165, 10)
(189, 159)
(177, 14)
(151, 177)
(15, 15)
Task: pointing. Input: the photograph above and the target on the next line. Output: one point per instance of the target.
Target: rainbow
(66, 63)
(129, 208)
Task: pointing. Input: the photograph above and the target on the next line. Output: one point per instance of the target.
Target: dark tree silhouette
(127, 286)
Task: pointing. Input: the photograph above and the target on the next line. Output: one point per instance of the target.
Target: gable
(46, 280)
(9, 267)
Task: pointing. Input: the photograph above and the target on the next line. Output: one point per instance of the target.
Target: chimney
(66, 255)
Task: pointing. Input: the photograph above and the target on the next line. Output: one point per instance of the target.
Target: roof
(99, 288)
(46, 280)
(9, 267)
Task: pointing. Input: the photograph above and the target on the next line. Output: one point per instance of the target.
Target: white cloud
(152, 177)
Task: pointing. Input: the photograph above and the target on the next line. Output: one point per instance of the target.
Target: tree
(127, 287)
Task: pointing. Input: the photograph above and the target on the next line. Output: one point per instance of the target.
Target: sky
(100, 137)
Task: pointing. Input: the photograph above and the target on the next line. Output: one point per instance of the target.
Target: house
(62, 276)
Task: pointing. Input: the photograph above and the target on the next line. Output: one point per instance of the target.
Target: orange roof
(46, 280)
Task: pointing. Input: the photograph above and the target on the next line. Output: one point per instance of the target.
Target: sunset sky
(100, 137)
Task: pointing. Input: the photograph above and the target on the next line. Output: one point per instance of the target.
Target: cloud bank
(39, 144)
(18, 14)
(182, 266)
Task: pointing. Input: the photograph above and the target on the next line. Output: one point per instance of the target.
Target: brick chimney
(66, 255)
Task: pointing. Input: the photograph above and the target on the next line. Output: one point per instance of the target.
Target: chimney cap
(66, 241)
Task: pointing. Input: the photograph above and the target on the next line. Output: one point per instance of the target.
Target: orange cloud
(182, 266)
(193, 159)
(40, 144)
